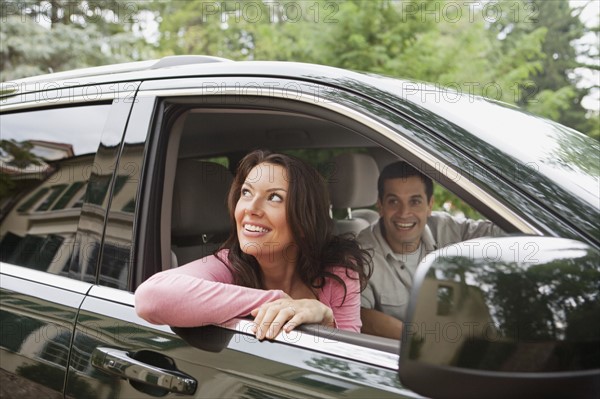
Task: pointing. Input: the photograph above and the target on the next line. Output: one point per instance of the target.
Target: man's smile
(404, 226)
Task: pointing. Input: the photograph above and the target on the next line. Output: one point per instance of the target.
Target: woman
(281, 263)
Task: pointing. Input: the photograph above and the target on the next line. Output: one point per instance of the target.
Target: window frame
(170, 104)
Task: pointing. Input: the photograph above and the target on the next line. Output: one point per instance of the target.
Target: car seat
(353, 184)
(200, 219)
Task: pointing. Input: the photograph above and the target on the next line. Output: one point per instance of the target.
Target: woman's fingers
(259, 317)
(280, 319)
(270, 318)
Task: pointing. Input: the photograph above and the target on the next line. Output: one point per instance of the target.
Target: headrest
(354, 181)
(200, 198)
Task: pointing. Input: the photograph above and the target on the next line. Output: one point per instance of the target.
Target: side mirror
(505, 317)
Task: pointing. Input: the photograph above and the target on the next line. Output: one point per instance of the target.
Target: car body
(91, 160)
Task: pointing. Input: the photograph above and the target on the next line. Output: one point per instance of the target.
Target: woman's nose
(253, 207)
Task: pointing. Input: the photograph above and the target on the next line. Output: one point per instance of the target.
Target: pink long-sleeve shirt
(202, 292)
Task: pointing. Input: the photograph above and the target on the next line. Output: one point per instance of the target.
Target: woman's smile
(255, 229)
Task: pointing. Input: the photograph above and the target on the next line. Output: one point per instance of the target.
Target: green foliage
(523, 52)
(554, 91)
(517, 51)
(551, 104)
(371, 36)
(444, 200)
(593, 123)
(38, 37)
(18, 153)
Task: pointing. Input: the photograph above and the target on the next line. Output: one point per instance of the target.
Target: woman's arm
(346, 311)
(197, 294)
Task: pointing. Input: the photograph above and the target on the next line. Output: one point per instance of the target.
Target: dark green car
(111, 174)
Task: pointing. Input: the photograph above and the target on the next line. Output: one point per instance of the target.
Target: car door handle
(118, 362)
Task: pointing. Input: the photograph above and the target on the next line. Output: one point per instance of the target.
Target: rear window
(46, 159)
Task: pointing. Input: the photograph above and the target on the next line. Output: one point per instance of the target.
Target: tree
(373, 36)
(555, 90)
(283, 30)
(17, 155)
(49, 36)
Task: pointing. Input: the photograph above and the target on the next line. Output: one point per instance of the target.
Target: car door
(56, 178)
(131, 358)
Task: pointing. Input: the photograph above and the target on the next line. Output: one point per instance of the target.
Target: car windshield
(563, 155)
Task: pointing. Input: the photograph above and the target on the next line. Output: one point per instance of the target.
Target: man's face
(404, 209)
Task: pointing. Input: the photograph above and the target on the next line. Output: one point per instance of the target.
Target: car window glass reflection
(46, 158)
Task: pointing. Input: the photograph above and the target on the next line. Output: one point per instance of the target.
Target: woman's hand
(288, 313)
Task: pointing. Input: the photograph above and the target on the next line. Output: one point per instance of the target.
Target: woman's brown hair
(307, 211)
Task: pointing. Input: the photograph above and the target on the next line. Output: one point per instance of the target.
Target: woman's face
(260, 215)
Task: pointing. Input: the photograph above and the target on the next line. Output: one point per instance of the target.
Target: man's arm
(378, 323)
(448, 229)
(480, 228)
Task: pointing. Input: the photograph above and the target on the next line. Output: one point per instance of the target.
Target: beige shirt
(389, 287)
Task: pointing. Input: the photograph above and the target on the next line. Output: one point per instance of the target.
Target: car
(112, 174)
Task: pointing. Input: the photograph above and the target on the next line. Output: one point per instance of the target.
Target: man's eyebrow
(413, 196)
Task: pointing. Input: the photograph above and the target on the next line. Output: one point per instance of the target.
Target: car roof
(194, 66)
(116, 72)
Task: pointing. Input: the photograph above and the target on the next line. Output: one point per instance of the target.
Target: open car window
(204, 144)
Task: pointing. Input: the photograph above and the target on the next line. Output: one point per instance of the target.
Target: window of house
(55, 191)
(33, 199)
(68, 195)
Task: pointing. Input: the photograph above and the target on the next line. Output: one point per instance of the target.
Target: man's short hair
(402, 170)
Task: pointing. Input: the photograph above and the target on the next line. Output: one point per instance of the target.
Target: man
(406, 232)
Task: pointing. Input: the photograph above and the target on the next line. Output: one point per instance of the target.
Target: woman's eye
(275, 198)
(245, 192)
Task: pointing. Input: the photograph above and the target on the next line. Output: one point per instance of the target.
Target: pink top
(202, 292)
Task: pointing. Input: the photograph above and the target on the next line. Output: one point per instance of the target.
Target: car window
(208, 139)
(46, 159)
